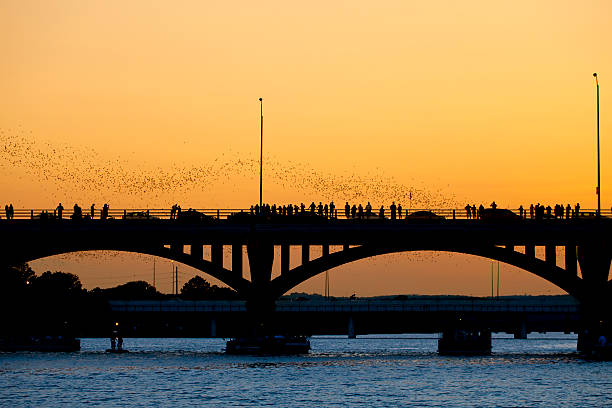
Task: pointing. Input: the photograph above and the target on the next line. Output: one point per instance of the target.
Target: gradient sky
(148, 103)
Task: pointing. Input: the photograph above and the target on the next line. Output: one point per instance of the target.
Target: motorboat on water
(40, 343)
(268, 345)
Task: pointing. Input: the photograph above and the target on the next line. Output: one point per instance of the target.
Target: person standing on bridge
(392, 208)
(521, 211)
(399, 211)
(360, 211)
(468, 211)
(347, 210)
(368, 209)
(60, 211)
(332, 209)
(11, 211)
(6, 212)
(92, 211)
(493, 205)
(577, 210)
(568, 211)
(382, 211)
(531, 211)
(474, 211)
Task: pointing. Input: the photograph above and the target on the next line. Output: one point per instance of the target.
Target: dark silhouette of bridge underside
(585, 243)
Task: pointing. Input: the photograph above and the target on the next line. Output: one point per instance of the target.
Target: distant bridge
(585, 240)
(519, 316)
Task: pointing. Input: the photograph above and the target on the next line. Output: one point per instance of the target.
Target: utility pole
(172, 287)
(491, 280)
(176, 280)
(598, 168)
(261, 154)
(154, 274)
(498, 279)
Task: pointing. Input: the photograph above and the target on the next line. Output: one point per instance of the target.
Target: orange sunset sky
(150, 103)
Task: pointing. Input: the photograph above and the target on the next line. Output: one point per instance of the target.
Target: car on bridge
(498, 214)
(192, 215)
(139, 215)
(424, 216)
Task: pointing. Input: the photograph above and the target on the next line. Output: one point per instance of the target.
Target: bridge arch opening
(109, 268)
(429, 272)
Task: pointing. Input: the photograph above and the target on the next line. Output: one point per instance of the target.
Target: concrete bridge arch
(214, 270)
(565, 279)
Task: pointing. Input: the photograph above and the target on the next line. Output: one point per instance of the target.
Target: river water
(379, 371)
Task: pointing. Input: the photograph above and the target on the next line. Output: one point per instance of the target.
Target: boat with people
(117, 351)
(465, 342)
(40, 343)
(268, 345)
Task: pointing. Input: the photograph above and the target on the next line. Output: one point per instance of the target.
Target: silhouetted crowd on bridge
(330, 211)
(537, 212)
(9, 212)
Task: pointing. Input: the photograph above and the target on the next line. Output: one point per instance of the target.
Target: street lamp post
(598, 165)
(261, 154)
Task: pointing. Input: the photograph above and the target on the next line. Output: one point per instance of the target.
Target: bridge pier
(521, 333)
(213, 327)
(260, 302)
(596, 308)
(351, 328)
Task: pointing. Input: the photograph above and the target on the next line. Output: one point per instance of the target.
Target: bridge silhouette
(585, 239)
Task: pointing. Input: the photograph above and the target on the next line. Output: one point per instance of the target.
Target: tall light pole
(598, 168)
(261, 155)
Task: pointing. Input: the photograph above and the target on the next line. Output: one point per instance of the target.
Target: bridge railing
(224, 213)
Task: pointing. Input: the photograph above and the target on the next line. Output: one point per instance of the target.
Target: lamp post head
(261, 99)
(594, 74)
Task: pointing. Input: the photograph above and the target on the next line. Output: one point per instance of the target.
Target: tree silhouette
(196, 288)
(57, 285)
(136, 290)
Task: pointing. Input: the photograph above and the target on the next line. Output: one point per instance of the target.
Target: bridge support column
(596, 306)
(237, 259)
(571, 262)
(595, 262)
(325, 250)
(345, 247)
(530, 251)
(260, 302)
(285, 259)
(305, 254)
(351, 328)
(216, 254)
(213, 327)
(521, 333)
(176, 248)
(550, 254)
(197, 251)
(261, 258)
